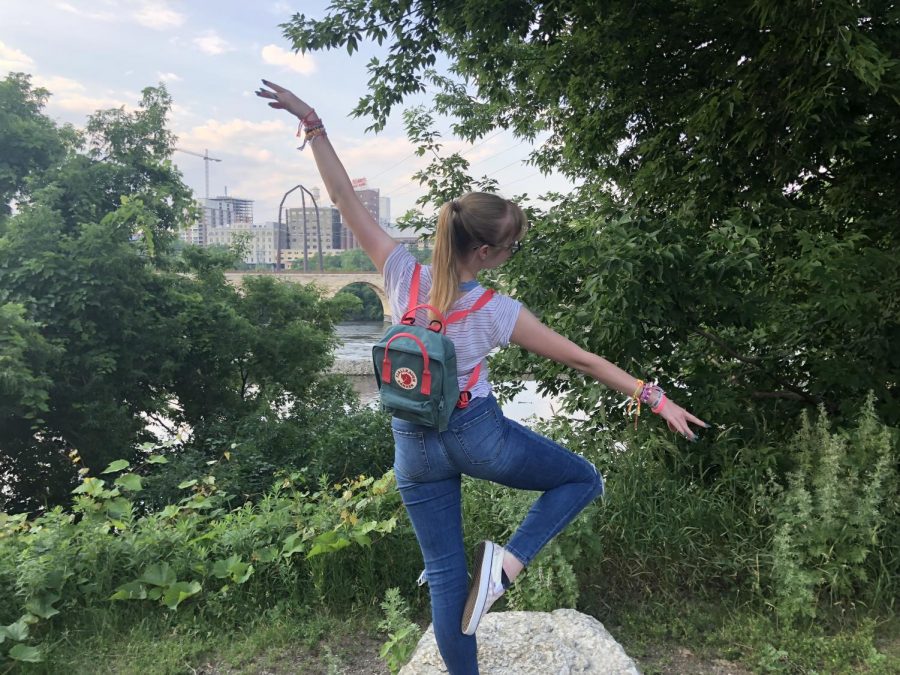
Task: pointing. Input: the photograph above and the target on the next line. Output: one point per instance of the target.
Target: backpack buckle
(464, 398)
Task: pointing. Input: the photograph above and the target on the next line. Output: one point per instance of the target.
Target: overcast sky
(211, 55)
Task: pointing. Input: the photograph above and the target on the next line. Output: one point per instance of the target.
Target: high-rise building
(261, 241)
(324, 222)
(384, 212)
(216, 213)
(227, 211)
(371, 199)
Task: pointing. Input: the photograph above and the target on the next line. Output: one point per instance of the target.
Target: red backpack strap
(414, 289)
(466, 395)
(481, 302)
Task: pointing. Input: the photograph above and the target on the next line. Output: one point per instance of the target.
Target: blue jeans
(480, 442)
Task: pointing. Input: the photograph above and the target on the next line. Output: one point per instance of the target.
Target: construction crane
(206, 160)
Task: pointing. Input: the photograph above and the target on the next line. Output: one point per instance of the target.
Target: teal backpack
(415, 366)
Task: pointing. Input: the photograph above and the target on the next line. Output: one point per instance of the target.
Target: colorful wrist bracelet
(634, 403)
(311, 134)
(659, 406)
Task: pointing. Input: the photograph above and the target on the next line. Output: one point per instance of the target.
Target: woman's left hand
(679, 420)
(284, 99)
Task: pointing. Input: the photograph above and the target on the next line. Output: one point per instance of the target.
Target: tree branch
(793, 393)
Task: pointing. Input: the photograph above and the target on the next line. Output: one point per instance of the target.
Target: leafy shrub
(219, 561)
(403, 634)
(326, 434)
(834, 520)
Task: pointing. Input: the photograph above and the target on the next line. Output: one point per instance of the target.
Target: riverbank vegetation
(185, 489)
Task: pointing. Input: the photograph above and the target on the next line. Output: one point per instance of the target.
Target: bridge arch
(330, 282)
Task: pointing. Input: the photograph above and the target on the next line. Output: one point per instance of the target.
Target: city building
(223, 211)
(371, 199)
(310, 223)
(384, 212)
(261, 241)
(214, 213)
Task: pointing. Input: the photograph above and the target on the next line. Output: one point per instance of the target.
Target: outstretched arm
(529, 333)
(375, 242)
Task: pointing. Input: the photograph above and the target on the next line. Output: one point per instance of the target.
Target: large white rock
(534, 643)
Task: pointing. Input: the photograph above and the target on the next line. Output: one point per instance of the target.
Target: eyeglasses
(513, 248)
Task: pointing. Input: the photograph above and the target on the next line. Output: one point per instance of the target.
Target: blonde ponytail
(464, 224)
(444, 276)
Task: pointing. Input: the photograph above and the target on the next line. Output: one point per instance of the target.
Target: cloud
(14, 59)
(276, 56)
(215, 133)
(72, 96)
(95, 16)
(212, 43)
(168, 77)
(281, 8)
(158, 15)
(258, 154)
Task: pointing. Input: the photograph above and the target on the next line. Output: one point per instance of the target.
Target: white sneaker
(487, 585)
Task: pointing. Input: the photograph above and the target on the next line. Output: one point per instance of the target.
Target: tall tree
(101, 331)
(737, 229)
(29, 140)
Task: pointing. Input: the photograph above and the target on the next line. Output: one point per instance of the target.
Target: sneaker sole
(474, 608)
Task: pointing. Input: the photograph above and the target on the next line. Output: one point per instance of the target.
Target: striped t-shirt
(474, 336)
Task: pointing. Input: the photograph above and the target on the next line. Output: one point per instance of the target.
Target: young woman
(474, 232)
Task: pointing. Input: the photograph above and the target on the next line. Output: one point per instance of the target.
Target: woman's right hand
(679, 420)
(284, 99)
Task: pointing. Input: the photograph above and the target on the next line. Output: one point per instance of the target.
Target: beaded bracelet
(659, 406)
(311, 133)
(644, 393)
(634, 403)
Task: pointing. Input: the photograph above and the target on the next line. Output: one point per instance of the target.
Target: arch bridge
(330, 282)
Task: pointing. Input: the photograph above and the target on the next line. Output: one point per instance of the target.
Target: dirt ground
(359, 656)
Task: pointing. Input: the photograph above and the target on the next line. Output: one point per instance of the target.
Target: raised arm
(529, 333)
(375, 242)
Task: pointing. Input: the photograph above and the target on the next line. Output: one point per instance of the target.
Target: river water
(357, 339)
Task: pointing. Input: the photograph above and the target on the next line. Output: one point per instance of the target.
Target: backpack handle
(410, 317)
(386, 363)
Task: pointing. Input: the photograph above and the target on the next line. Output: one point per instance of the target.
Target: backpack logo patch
(405, 378)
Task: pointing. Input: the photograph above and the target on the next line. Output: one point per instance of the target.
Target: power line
(394, 166)
(412, 188)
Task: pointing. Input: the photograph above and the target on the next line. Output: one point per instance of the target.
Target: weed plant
(793, 574)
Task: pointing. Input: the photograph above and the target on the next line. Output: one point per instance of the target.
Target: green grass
(656, 632)
(753, 638)
(293, 638)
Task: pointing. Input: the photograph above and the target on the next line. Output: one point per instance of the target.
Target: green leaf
(170, 511)
(327, 542)
(118, 465)
(266, 555)
(234, 568)
(240, 572)
(178, 592)
(26, 653)
(187, 483)
(220, 568)
(129, 481)
(293, 544)
(17, 631)
(133, 590)
(157, 459)
(158, 574)
(42, 605)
